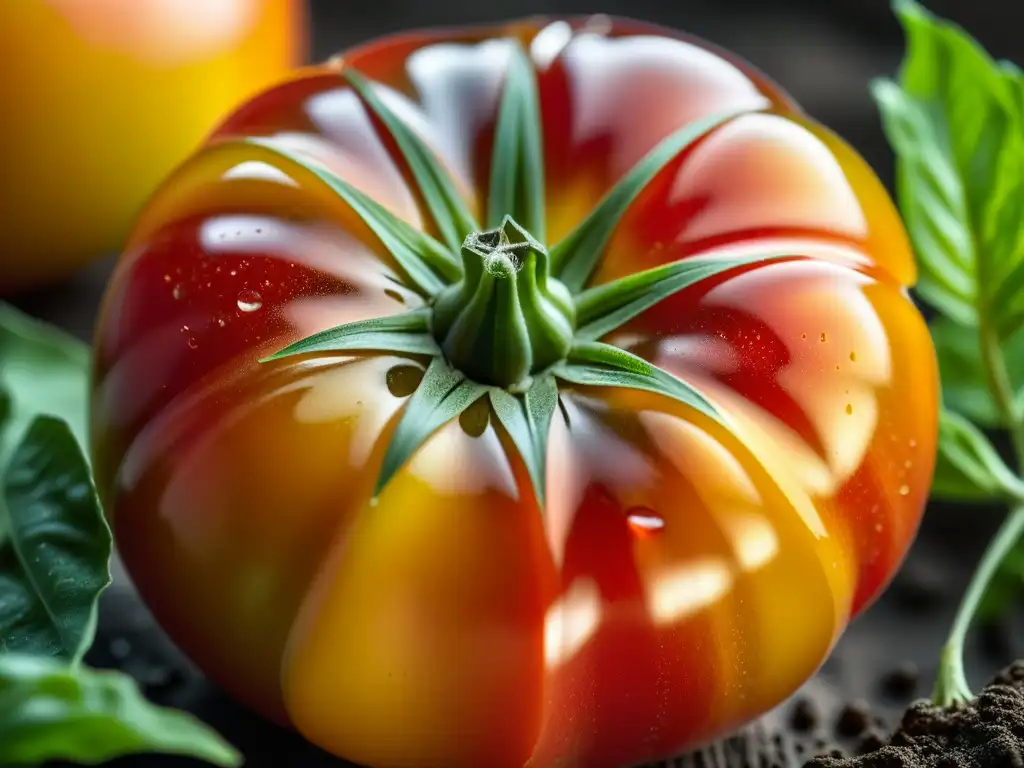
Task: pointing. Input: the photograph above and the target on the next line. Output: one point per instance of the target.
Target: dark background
(825, 53)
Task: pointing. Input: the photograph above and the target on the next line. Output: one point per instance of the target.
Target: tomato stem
(507, 318)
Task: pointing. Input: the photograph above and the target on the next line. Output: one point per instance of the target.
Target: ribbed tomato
(618, 412)
(102, 98)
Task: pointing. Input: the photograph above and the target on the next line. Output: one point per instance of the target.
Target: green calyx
(505, 317)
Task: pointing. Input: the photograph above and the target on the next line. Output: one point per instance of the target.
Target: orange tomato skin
(685, 576)
(102, 98)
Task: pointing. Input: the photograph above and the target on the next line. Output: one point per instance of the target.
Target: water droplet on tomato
(249, 301)
(913, 443)
(167, 278)
(120, 648)
(177, 292)
(644, 520)
(904, 489)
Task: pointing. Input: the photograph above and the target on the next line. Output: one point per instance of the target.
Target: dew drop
(913, 443)
(402, 380)
(120, 648)
(849, 409)
(879, 528)
(644, 520)
(249, 301)
(234, 272)
(192, 343)
(177, 292)
(908, 463)
(904, 489)
(221, 321)
(167, 278)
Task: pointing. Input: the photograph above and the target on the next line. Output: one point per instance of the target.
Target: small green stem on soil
(951, 686)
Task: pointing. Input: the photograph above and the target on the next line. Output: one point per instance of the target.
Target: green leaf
(442, 395)
(517, 161)
(575, 257)
(54, 559)
(968, 468)
(407, 332)
(425, 261)
(449, 210)
(595, 364)
(965, 386)
(49, 711)
(42, 370)
(954, 122)
(527, 419)
(606, 307)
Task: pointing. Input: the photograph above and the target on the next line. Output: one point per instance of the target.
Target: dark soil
(987, 733)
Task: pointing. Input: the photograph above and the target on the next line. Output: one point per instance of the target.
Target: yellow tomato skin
(102, 98)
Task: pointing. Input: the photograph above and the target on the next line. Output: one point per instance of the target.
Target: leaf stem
(1002, 390)
(951, 686)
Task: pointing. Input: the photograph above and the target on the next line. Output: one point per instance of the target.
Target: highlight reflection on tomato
(708, 527)
(102, 98)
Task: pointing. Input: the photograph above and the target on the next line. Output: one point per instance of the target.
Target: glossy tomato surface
(102, 98)
(684, 577)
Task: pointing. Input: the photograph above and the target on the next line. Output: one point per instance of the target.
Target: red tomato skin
(685, 576)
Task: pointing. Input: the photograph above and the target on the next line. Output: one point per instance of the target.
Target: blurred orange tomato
(102, 98)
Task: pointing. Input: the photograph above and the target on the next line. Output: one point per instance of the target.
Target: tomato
(102, 98)
(675, 554)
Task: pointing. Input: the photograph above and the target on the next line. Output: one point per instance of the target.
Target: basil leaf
(604, 308)
(527, 419)
(442, 395)
(968, 467)
(447, 207)
(425, 261)
(49, 711)
(517, 160)
(575, 257)
(42, 370)
(954, 123)
(54, 557)
(965, 387)
(407, 332)
(601, 365)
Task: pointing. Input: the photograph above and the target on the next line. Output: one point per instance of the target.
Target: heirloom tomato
(102, 98)
(540, 395)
